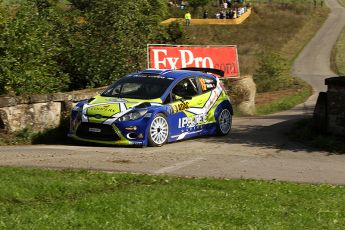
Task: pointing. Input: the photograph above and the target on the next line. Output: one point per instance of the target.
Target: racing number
(203, 84)
(181, 106)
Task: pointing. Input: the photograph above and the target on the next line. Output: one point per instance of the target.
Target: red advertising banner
(175, 57)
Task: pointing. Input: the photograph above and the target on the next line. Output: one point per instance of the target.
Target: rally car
(153, 107)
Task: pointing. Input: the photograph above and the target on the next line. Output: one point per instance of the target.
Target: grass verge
(301, 93)
(48, 199)
(304, 131)
(339, 54)
(342, 2)
(56, 135)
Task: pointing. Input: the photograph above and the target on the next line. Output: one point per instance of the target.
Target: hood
(107, 107)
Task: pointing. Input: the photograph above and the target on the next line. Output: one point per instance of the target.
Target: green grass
(304, 131)
(342, 2)
(287, 102)
(47, 199)
(340, 54)
(339, 51)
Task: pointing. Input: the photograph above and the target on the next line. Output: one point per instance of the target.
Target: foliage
(272, 73)
(198, 3)
(81, 4)
(176, 32)
(111, 42)
(29, 51)
(44, 48)
(237, 93)
(339, 56)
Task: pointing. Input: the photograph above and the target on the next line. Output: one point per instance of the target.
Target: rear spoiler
(206, 70)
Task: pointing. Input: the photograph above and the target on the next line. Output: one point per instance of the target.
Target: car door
(203, 104)
(182, 122)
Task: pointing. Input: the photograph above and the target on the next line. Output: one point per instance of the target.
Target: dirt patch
(122, 161)
(267, 97)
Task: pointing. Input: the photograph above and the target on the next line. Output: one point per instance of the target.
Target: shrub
(112, 41)
(29, 49)
(236, 92)
(272, 73)
(176, 32)
(44, 48)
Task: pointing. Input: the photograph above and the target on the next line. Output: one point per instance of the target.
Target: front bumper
(119, 133)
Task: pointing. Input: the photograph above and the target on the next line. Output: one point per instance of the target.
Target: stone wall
(336, 105)
(39, 111)
(329, 113)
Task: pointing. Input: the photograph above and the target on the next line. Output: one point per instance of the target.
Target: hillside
(270, 38)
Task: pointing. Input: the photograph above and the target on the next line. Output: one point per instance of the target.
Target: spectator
(205, 14)
(222, 14)
(234, 13)
(217, 15)
(228, 14)
(229, 3)
(188, 18)
(239, 12)
(182, 5)
(225, 5)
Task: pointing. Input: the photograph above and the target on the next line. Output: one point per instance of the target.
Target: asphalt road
(257, 147)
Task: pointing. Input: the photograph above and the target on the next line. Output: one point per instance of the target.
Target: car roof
(175, 74)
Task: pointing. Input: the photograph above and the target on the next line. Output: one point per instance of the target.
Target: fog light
(131, 128)
(132, 135)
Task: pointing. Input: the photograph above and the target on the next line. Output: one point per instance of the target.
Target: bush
(46, 48)
(29, 51)
(272, 73)
(112, 41)
(176, 32)
(236, 92)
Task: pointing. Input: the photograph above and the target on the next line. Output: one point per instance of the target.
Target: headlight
(133, 115)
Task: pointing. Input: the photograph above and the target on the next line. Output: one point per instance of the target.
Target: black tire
(158, 132)
(224, 122)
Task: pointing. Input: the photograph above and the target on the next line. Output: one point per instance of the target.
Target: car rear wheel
(224, 122)
(158, 131)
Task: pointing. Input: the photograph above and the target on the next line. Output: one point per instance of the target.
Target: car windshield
(139, 87)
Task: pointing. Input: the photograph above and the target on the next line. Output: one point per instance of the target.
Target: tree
(112, 42)
(28, 52)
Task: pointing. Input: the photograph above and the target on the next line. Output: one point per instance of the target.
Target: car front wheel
(158, 131)
(224, 122)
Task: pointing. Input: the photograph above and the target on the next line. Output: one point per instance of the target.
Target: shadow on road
(274, 136)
